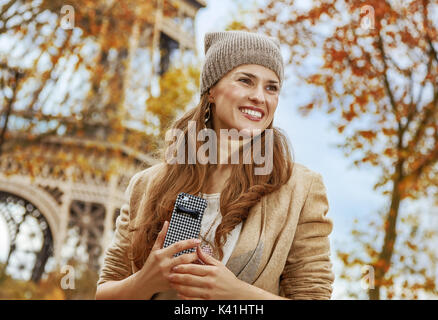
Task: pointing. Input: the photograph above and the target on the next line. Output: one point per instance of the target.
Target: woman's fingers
(195, 269)
(183, 259)
(159, 242)
(187, 280)
(206, 258)
(182, 245)
(182, 297)
(190, 292)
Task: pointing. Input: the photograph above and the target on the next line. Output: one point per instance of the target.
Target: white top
(212, 216)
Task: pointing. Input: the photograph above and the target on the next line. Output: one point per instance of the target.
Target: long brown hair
(242, 191)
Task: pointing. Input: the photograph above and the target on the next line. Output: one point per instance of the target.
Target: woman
(267, 233)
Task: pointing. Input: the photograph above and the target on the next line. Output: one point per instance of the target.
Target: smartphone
(186, 219)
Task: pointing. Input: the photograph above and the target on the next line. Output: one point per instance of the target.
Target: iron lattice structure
(59, 214)
(53, 209)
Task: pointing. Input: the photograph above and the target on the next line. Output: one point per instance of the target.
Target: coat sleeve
(308, 271)
(116, 265)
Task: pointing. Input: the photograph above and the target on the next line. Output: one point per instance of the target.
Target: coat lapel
(247, 255)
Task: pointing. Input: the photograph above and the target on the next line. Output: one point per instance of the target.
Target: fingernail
(197, 241)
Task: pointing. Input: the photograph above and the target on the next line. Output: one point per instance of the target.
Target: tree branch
(385, 75)
(426, 25)
(17, 75)
(433, 157)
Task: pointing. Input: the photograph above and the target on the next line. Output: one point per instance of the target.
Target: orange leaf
(368, 134)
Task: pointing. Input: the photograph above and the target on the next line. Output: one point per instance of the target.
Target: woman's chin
(246, 129)
(250, 131)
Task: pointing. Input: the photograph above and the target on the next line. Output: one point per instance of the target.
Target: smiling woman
(245, 98)
(268, 233)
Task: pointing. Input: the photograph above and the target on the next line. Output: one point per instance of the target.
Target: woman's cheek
(273, 106)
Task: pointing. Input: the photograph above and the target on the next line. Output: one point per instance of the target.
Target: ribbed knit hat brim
(227, 50)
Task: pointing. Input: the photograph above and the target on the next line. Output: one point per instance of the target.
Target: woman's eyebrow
(250, 75)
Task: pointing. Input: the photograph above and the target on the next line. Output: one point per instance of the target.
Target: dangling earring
(207, 113)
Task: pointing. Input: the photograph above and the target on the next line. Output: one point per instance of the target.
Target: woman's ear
(210, 96)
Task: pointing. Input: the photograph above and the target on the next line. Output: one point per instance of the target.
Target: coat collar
(245, 260)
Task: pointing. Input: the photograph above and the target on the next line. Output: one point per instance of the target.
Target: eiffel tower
(57, 213)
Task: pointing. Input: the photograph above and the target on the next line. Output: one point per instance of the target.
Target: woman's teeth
(252, 113)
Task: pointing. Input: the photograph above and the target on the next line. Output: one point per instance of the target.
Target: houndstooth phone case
(186, 219)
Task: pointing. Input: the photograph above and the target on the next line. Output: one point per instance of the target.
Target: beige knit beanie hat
(229, 49)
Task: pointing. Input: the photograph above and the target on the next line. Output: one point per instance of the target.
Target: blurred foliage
(50, 286)
(90, 82)
(177, 87)
(376, 78)
(414, 268)
(83, 100)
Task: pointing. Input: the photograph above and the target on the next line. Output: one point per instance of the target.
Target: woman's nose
(257, 95)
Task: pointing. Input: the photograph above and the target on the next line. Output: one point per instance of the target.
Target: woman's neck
(217, 177)
(228, 150)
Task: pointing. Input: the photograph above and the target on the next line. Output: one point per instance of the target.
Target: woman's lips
(249, 116)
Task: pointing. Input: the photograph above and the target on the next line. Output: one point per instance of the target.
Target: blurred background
(87, 89)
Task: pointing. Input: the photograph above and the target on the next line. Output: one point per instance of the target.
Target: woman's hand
(160, 261)
(210, 281)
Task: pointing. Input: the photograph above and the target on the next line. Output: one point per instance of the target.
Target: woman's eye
(272, 88)
(245, 80)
